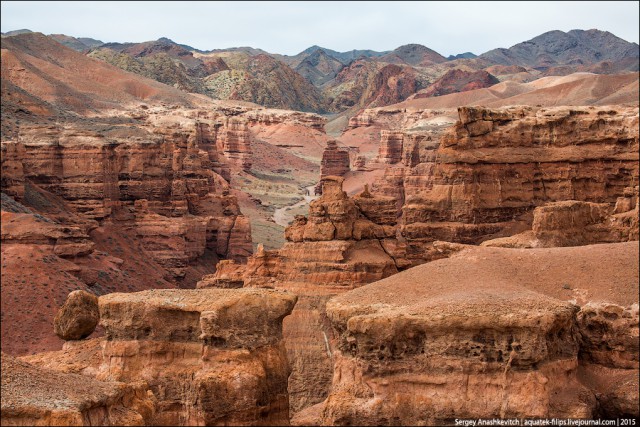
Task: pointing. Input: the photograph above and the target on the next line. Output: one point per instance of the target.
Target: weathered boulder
(78, 317)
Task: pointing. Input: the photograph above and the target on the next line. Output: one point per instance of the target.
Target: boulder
(78, 317)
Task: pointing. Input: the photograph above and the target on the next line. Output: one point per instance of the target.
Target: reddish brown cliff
(335, 162)
(193, 357)
(441, 341)
(210, 356)
(495, 166)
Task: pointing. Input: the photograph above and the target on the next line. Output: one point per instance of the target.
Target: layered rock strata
(236, 142)
(440, 341)
(340, 246)
(573, 223)
(335, 162)
(390, 146)
(210, 356)
(161, 185)
(495, 166)
(342, 242)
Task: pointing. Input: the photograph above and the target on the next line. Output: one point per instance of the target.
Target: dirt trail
(283, 216)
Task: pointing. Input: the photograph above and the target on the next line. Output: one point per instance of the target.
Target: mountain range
(322, 80)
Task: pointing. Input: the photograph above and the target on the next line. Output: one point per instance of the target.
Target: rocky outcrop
(210, 356)
(36, 396)
(236, 143)
(497, 165)
(410, 347)
(78, 317)
(342, 245)
(66, 241)
(342, 242)
(335, 162)
(272, 117)
(159, 182)
(390, 146)
(572, 223)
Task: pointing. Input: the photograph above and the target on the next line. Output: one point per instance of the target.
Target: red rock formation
(390, 146)
(572, 223)
(466, 189)
(341, 245)
(335, 162)
(36, 396)
(236, 143)
(163, 187)
(273, 117)
(496, 165)
(411, 346)
(210, 356)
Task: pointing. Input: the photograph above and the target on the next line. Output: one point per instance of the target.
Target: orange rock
(36, 396)
(210, 356)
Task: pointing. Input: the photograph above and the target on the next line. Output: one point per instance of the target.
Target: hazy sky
(290, 27)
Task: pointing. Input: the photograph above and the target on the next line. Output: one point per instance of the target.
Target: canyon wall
(169, 357)
(164, 188)
(495, 166)
(440, 341)
(211, 356)
(471, 183)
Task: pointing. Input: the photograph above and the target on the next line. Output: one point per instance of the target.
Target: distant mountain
(457, 80)
(82, 44)
(44, 76)
(344, 57)
(413, 54)
(367, 83)
(466, 55)
(16, 32)
(162, 60)
(244, 49)
(556, 48)
(319, 67)
(324, 80)
(266, 81)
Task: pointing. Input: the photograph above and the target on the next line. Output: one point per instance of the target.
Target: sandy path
(283, 217)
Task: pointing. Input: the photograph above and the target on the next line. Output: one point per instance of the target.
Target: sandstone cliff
(496, 166)
(473, 182)
(335, 162)
(441, 341)
(212, 357)
(160, 183)
(187, 357)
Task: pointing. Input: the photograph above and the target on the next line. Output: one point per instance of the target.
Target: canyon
(462, 243)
